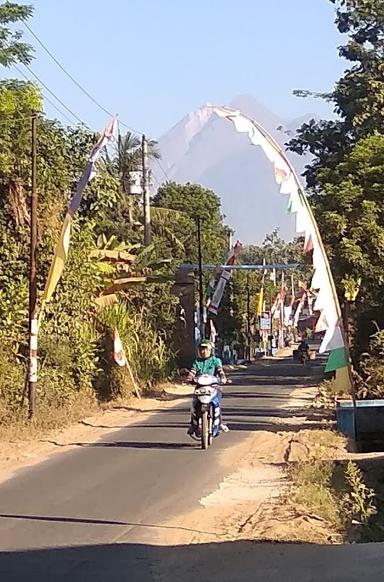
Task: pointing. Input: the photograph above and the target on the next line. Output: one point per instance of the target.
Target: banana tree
(125, 265)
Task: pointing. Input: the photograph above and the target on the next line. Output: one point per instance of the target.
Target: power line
(65, 71)
(74, 80)
(162, 169)
(57, 109)
(55, 96)
(155, 179)
(45, 97)
(68, 74)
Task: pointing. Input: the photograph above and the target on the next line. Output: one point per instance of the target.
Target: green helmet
(205, 344)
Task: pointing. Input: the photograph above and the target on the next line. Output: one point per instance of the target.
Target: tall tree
(12, 49)
(191, 201)
(345, 179)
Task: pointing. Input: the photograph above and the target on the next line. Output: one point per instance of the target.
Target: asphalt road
(91, 513)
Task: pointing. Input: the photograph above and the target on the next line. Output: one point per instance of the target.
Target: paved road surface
(94, 512)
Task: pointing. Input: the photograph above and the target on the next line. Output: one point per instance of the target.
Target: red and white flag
(225, 275)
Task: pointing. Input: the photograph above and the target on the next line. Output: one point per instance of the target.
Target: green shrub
(12, 378)
(147, 354)
(371, 368)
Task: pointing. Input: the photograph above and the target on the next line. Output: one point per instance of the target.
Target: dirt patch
(253, 501)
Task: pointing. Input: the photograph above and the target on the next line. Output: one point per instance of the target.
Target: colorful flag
(333, 338)
(118, 350)
(299, 307)
(260, 302)
(219, 292)
(61, 251)
(265, 271)
(337, 359)
(225, 275)
(287, 314)
(276, 305)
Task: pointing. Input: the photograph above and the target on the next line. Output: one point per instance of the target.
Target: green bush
(12, 378)
(371, 368)
(148, 356)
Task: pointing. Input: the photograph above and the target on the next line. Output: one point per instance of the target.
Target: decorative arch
(330, 320)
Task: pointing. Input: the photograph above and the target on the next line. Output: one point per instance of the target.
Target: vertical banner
(219, 292)
(89, 172)
(225, 275)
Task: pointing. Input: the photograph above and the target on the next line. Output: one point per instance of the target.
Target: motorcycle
(303, 356)
(206, 409)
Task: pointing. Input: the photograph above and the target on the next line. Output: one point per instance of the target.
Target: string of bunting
(326, 302)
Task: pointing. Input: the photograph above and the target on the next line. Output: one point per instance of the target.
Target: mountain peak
(203, 149)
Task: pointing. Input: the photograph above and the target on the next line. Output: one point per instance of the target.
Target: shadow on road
(240, 561)
(90, 521)
(128, 444)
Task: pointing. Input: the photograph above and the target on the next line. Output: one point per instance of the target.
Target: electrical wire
(65, 71)
(68, 74)
(162, 169)
(55, 96)
(57, 109)
(71, 77)
(45, 97)
(155, 179)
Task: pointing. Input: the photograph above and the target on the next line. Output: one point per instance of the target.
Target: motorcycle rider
(206, 363)
(303, 348)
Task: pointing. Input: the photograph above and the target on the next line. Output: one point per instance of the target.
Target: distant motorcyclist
(303, 349)
(303, 345)
(205, 363)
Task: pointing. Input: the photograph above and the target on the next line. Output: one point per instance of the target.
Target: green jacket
(211, 365)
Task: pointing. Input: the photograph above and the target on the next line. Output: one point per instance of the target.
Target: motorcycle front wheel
(204, 430)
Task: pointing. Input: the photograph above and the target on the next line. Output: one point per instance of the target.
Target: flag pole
(201, 291)
(32, 327)
(146, 201)
(282, 302)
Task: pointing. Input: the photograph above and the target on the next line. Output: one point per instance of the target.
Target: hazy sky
(153, 61)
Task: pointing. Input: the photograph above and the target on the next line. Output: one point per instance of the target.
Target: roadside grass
(312, 490)
(327, 395)
(343, 493)
(16, 427)
(371, 527)
(325, 444)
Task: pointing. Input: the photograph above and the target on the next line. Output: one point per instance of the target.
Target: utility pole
(201, 293)
(249, 320)
(32, 361)
(146, 205)
(282, 303)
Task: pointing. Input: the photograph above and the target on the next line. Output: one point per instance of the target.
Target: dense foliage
(345, 179)
(12, 49)
(106, 260)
